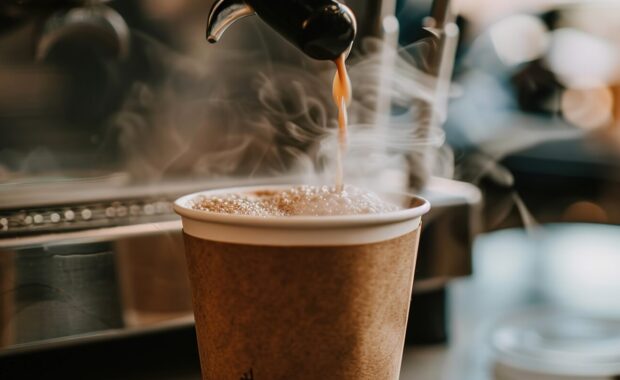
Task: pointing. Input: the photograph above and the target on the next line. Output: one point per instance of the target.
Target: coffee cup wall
(301, 297)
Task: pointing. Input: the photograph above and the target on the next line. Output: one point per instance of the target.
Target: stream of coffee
(341, 92)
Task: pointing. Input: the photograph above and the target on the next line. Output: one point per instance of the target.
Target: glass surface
(543, 303)
(556, 342)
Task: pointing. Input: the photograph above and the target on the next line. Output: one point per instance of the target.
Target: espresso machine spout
(322, 29)
(223, 14)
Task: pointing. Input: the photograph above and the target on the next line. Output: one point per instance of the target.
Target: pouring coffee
(322, 29)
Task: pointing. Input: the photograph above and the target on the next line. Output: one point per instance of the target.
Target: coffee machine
(89, 245)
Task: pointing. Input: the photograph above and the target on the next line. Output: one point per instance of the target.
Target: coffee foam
(296, 201)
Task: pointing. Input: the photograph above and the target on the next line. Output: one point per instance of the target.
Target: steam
(270, 118)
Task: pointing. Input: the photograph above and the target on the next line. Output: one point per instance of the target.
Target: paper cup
(301, 297)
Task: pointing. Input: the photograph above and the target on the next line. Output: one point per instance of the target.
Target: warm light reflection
(519, 38)
(588, 108)
(581, 60)
(585, 211)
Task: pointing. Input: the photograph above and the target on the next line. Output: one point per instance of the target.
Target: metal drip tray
(78, 285)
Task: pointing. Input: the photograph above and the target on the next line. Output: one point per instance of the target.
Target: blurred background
(504, 113)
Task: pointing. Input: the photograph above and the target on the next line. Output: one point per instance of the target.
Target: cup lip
(319, 222)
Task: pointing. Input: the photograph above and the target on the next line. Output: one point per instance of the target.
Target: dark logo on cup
(248, 375)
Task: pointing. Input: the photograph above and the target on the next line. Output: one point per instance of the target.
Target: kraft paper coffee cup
(7, 295)
(301, 297)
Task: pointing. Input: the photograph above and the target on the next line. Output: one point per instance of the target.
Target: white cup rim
(182, 206)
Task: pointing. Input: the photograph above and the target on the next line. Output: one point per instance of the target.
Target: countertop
(163, 355)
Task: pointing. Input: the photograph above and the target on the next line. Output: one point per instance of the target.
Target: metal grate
(83, 216)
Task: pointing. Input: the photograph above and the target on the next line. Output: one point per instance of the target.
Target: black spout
(322, 29)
